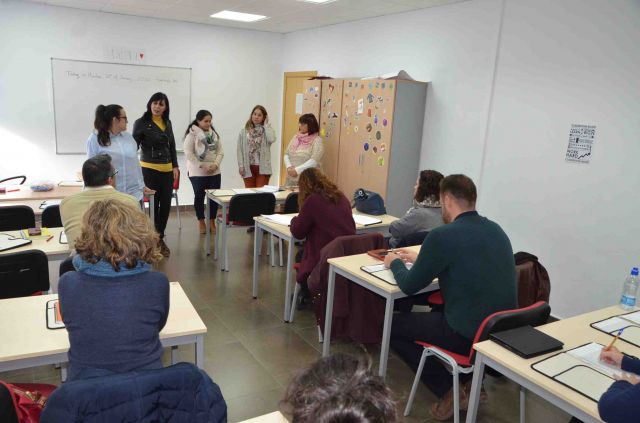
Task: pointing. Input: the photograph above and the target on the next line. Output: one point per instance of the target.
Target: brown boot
(212, 226)
(202, 227)
(443, 409)
(164, 250)
(465, 395)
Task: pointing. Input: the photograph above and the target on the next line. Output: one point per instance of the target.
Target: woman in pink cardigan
(325, 214)
(204, 153)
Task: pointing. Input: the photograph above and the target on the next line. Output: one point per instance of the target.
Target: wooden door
(293, 86)
(330, 115)
(365, 137)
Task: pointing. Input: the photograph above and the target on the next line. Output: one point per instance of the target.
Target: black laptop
(526, 341)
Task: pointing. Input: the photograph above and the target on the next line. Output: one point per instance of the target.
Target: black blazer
(156, 145)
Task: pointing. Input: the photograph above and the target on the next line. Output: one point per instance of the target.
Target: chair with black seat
(13, 218)
(24, 178)
(244, 207)
(51, 217)
(24, 273)
(534, 315)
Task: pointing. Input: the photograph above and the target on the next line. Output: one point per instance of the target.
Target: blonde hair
(117, 232)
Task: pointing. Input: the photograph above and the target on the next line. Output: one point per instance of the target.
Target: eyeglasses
(114, 173)
(124, 117)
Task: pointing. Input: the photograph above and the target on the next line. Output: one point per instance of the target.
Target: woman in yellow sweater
(154, 135)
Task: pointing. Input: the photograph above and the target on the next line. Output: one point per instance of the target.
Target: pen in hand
(614, 339)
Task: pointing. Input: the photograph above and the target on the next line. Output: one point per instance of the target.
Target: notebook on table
(7, 242)
(383, 273)
(282, 219)
(365, 220)
(526, 341)
(580, 369)
(54, 317)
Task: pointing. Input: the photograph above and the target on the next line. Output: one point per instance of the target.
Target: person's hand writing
(408, 256)
(611, 356)
(632, 379)
(389, 258)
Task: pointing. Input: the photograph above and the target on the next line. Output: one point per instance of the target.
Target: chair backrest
(534, 315)
(13, 218)
(176, 182)
(416, 238)
(291, 203)
(51, 217)
(244, 207)
(24, 273)
(179, 393)
(66, 266)
(24, 178)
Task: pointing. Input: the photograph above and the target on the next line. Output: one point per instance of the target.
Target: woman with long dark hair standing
(254, 149)
(154, 134)
(204, 153)
(111, 137)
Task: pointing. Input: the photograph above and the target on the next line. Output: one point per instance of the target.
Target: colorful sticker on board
(360, 106)
(350, 84)
(370, 98)
(383, 84)
(331, 88)
(369, 113)
(377, 85)
(375, 119)
(383, 147)
(366, 146)
(355, 128)
(333, 115)
(323, 133)
(380, 161)
(380, 99)
(369, 127)
(384, 122)
(390, 86)
(378, 135)
(375, 149)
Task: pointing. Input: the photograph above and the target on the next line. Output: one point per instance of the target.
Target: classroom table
(26, 341)
(349, 267)
(283, 232)
(25, 193)
(223, 201)
(275, 417)
(573, 332)
(54, 249)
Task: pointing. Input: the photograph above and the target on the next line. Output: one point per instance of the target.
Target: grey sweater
(417, 219)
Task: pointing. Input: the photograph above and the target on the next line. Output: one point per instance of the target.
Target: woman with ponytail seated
(111, 137)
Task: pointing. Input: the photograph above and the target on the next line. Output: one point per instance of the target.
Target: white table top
(281, 196)
(24, 330)
(25, 193)
(352, 264)
(50, 248)
(284, 231)
(573, 332)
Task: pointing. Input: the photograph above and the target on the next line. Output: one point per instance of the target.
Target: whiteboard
(80, 86)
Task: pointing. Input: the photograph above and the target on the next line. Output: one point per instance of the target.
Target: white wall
(232, 70)
(557, 63)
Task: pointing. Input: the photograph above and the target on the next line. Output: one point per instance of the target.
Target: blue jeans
(200, 183)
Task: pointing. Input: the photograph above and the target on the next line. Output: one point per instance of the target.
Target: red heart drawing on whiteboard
(141, 55)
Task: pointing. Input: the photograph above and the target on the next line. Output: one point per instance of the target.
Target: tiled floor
(251, 353)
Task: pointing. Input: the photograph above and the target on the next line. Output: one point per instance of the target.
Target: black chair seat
(51, 217)
(24, 273)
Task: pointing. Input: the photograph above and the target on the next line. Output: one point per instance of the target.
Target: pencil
(50, 238)
(13, 190)
(614, 340)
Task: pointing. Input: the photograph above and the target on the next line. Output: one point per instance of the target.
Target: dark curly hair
(339, 388)
(313, 181)
(428, 185)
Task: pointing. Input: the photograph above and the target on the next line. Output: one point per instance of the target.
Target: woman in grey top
(425, 214)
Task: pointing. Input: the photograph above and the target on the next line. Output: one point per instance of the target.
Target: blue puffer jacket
(180, 393)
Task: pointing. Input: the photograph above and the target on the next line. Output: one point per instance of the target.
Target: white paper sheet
(590, 354)
(243, 191)
(268, 188)
(365, 220)
(282, 219)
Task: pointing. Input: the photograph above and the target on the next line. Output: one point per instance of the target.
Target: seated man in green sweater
(473, 260)
(99, 181)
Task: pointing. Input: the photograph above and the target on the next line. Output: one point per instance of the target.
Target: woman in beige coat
(254, 149)
(204, 153)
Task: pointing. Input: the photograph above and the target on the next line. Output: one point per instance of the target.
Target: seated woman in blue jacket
(114, 306)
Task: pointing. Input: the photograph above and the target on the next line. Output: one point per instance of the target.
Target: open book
(381, 272)
(581, 370)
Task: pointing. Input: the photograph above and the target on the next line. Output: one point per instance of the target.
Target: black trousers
(432, 328)
(199, 184)
(162, 183)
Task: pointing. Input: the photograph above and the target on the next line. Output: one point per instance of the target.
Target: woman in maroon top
(325, 214)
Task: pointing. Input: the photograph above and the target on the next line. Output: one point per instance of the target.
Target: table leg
(523, 402)
(152, 215)
(256, 262)
(476, 387)
(225, 258)
(200, 351)
(207, 240)
(386, 337)
(328, 311)
(174, 352)
(287, 288)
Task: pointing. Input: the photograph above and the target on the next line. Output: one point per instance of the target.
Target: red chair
(534, 315)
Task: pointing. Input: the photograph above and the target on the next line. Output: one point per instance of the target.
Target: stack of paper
(283, 219)
(365, 220)
(268, 188)
(71, 184)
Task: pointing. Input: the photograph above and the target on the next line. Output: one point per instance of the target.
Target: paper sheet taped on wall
(299, 98)
(581, 139)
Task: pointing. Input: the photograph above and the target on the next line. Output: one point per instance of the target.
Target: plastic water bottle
(629, 290)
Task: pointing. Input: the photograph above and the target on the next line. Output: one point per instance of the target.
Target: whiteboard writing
(121, 77)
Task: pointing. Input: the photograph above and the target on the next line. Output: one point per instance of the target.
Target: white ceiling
(284, 15)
